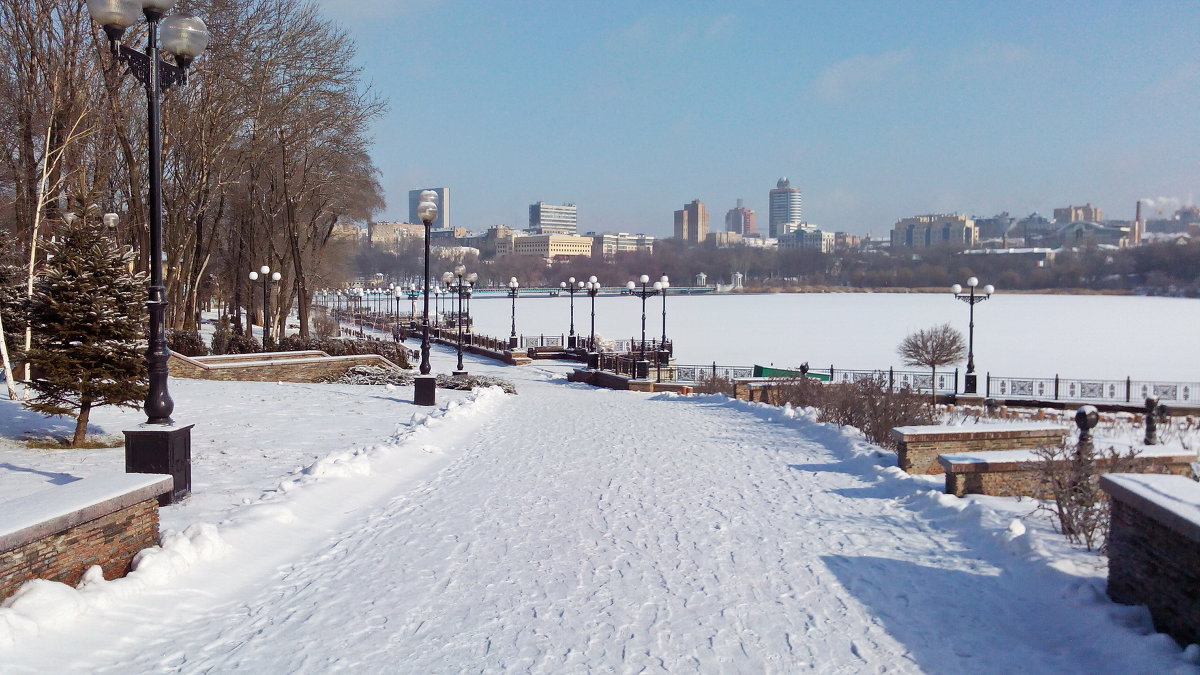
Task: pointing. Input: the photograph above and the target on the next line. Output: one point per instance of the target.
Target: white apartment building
(553, 218)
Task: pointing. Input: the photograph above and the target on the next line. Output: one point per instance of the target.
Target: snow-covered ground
(564, 529)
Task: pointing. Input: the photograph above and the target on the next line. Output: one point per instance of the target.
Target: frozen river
(1108, 337)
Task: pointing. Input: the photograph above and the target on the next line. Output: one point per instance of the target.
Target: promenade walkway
(573, 530)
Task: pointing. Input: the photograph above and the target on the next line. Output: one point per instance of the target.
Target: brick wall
(918, 450)
(1153, 556)
(110, 541)
(306, 369)
(1021, 481)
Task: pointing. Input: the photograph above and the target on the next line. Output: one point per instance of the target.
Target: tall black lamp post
(459, 283)
(971, 384)
(425, 389)
(645, 291)
(593, 289)
(663, 284)
(513, 288)
(267, 277)
(570, 286)
(163, 448)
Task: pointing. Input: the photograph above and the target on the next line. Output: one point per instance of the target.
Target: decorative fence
(541, 341)
(947, 383)
(1100, 391)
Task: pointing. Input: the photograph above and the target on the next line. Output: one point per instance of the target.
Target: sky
(877, 110)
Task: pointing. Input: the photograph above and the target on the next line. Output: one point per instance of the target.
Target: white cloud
(857, 74)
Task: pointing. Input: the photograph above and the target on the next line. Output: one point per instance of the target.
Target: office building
(741, 220)
(691, 222)
(553, 219)
(786, 209)
(553, 246)
(607, 246)
(442, 222)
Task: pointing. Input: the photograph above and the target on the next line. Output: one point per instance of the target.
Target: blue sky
(878, 110)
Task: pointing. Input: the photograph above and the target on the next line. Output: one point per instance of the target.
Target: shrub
(221, 336)
(243, 344)
(1069, 474)
(866, 404)
(715, 385)
(324, 326)
(186, 343)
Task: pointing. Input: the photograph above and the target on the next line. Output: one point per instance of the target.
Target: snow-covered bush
(866, 404)
(1069, 474)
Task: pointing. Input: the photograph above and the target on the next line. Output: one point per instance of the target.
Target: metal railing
(1058, 388)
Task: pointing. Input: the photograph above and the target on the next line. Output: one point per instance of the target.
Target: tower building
(786, 209)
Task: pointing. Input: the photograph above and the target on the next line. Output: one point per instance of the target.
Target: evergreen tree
(88, 321)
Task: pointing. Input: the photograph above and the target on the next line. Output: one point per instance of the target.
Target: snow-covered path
(584, 530)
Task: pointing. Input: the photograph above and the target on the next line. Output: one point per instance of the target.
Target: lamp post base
(643, 370)
(459, 373)
(970, 383)
(593, 360)
(425, 390)
(572, 341)
(162, 449)
(513, 342)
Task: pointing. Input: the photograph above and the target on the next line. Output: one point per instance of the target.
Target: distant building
(346, 231)
(691, 222)
(934, 230)
(724, 239)
(809, 238)
(1040, 257)
(553, 219)
(845, 240)
(1084, 233)
(442, 222)
(607, 246)
(996, 227)
(554, 246)
(741, 220)
(497, 241)
(1072, 214)
(786, 209)
(389, 235)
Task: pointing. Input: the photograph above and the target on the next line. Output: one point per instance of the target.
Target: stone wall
(918, 447)
(61, 532)
(1154, 549)
(269, 368)
(1016, 478)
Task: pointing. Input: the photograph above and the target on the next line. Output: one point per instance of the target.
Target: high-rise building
(553, 219)
(442, 222)
(691, 222)
(786, 210)
(741, 220)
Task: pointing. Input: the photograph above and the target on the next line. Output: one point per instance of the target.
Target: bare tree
(940, 345)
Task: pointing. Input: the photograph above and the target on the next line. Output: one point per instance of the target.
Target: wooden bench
(1013, 473)
(918, 447)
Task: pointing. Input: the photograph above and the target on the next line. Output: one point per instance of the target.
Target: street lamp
(413, 293)
(513, 286)
(663, 284)
(593, 288)
(570, 286)
(425, 384)
(970, 385)
(643, 366)
(459, 283)
(267, 277)
(167, 449)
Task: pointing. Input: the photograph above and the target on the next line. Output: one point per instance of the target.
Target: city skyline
(877, 112)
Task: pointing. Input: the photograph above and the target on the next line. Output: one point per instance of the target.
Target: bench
(60, 532)
(1013, 473)
(918, 446)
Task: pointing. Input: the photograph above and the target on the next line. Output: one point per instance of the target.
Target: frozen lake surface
(1107, 337)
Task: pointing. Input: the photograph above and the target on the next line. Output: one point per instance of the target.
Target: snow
(23, 513)
(992, 425)
(1016, 335)
(563, 529)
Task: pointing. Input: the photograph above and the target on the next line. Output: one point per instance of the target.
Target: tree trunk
(8, 373)
(81, 422)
